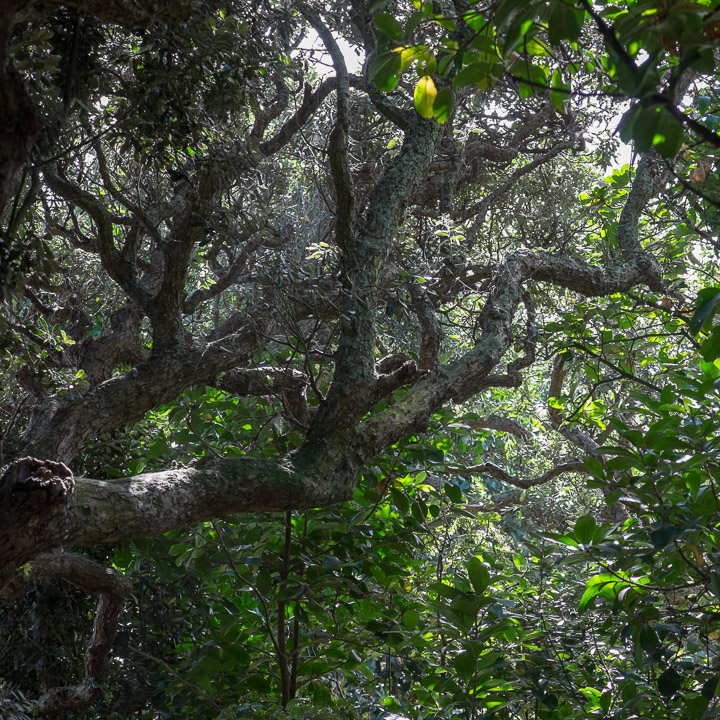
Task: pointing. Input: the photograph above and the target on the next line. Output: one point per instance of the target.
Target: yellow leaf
(425, 94)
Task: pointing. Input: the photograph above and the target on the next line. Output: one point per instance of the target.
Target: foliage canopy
(379, 392)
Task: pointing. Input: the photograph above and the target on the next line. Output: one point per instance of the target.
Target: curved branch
(338, 143)
(502, 424)
(113, 589)
(497, 472)
(117, 267)
(473, 372)
(312, 100)
(199, 296)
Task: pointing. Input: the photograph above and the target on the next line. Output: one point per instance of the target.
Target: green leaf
(627, 123)
(715, 583)
(648, 638)
(445, 23)
(606, 701)
(643, 131)
(413, 21)
(424, 98)
(410, 618)
(469, 75)
(663, 535)
(594, 466)
(669, 682)
(564, 22)
(606, 585)
(159, 448)
(479, 575)
(696, 705)
(505, 11)
(389, 25)
(409, 55)
(710, 348)
(442, 106)
(417, 512)
(385, 70)
(465, 664)
(453, 492)
(709, 687)
(705, 308)
(477, 22)
(560, 94)
(585, 529)
(591, 591)
(669, 135)
(516, 32)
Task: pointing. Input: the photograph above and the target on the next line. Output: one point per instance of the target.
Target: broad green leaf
(564, 22)
(385, 70)
(715, 583)
(560, 94)
(413, 21)
(709, 687)
(409, 55)
(607, 585)
(696, 705)
(464, 664)
(669, 135)
(669, 682)
(594, 466)
(710, 348)
(706, 306)
(505, 11)
(442, 106)
(476, 20)
(479, 575)
(389, 25)
(648, 638)
(585, 529)
(410, 618)
(516, 33)
(469, 75)
(453, 492)
(643, 130)
(627, 123)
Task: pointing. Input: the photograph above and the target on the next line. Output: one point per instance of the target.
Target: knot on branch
(73, 697)
(39, 483)
(33, 499)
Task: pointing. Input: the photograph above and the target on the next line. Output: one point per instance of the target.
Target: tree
(202, 208)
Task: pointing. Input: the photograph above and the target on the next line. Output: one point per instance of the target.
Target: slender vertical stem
(285, 675)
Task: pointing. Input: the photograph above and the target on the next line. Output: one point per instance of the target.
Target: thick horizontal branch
(287, 384)
(44, 507)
